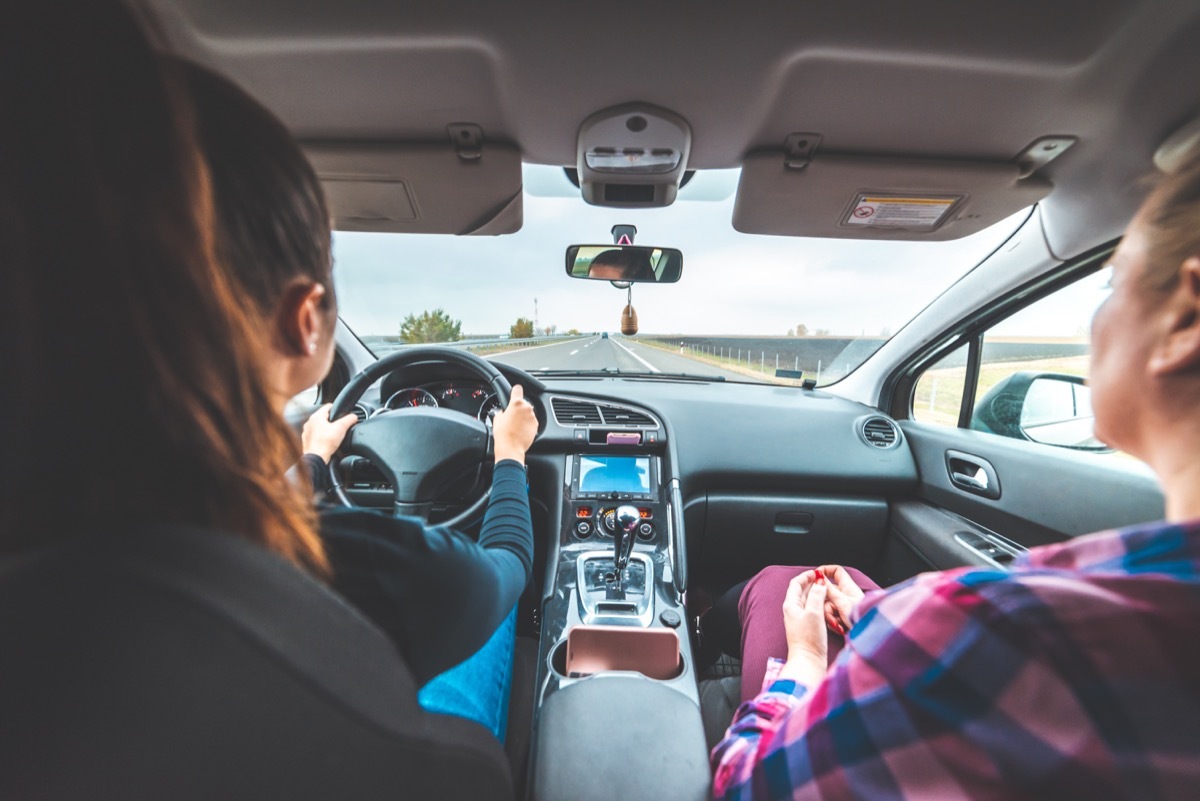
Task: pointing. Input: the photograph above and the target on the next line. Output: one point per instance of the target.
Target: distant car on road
(604, 335)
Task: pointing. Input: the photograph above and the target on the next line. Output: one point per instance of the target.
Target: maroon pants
(760, 610)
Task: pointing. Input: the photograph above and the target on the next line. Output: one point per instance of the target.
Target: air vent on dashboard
(576, 413)
(360, 412)
(615, 416)
(880, 432)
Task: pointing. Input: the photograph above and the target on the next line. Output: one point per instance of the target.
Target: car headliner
(923, 78)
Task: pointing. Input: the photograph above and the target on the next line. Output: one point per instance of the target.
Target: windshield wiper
(631, 374)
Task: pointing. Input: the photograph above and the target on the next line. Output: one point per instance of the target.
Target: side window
(1031, 383)
(303, 402)
(940, 390)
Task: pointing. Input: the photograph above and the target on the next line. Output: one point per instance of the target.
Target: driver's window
(304, 401)
(1032, 379)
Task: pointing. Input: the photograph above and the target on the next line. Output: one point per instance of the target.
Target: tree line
(438, 326)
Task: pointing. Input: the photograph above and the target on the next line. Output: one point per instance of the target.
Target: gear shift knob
(627, 519)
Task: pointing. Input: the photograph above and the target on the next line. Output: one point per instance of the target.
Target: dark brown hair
(272, 221)
(1173, 222)
(134, 388)
(634, 263)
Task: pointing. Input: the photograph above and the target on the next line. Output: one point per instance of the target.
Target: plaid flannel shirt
(1076, 675)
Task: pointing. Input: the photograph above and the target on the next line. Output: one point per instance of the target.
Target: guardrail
(382, 345)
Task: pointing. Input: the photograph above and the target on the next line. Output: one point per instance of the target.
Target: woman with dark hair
(1074, 675)
(133, 373)
(447, 601)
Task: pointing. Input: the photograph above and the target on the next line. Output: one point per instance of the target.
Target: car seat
(185, 663)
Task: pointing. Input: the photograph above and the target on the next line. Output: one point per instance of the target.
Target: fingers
(841, 578)
(814, 601)
(831, 617)
(806, 592)
(515, 428)
(342, 424)
(797, 589)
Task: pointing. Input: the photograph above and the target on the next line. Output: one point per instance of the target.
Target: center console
(616, 683)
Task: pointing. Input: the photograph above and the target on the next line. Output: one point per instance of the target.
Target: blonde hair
(1172, 220)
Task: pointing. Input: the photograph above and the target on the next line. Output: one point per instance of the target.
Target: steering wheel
(421, 449)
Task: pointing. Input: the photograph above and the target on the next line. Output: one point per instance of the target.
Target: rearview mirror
(628, 263)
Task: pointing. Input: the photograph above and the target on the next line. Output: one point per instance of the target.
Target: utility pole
(535, 323)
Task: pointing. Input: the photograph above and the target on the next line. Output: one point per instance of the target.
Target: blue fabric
(478, 687)
(438, 594)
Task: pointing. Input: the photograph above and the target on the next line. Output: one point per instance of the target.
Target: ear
(301, 319)
(1179, 349)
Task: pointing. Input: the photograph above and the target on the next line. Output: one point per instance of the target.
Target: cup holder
(586, 650)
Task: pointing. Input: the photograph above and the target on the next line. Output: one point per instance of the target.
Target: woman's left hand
(804, 623)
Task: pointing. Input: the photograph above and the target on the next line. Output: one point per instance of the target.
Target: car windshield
(747, 307)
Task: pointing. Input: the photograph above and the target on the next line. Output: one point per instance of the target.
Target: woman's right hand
(323, 437)
(841, 596)
(514, 428)
(807, 639)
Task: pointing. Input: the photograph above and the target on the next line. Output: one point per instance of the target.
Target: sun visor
(857, 197)
(421, 188)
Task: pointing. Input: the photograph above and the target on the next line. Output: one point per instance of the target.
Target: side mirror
(1050, 408)
(631, 264)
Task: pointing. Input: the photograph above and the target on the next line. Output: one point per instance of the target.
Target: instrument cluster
(468, 397)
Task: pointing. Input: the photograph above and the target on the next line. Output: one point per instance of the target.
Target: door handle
(973, 474)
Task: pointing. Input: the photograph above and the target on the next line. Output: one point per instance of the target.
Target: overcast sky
(732, 283)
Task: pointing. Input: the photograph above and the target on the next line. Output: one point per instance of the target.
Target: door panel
(1047, 494)
(921, 538)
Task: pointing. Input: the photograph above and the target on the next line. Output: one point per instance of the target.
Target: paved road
(597, 353)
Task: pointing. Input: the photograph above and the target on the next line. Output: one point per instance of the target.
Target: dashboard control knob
(645, 531)
(670, 618)
(583, 529)
(608, 519)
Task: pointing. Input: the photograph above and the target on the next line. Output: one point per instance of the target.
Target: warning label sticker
(899, 212)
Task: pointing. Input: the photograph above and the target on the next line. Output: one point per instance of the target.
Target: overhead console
(632, 156)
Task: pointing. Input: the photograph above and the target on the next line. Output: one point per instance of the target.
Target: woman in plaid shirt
(1076, 675)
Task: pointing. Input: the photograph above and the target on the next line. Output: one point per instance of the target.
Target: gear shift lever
(627, 520)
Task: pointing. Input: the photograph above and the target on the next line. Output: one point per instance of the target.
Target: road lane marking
(572, 353)
(649, 366)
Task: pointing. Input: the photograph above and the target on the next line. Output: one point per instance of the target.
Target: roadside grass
(765, 373)
(939, 392)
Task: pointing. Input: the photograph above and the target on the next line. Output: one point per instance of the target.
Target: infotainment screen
(614, 474)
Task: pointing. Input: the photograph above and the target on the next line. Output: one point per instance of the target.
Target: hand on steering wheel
(514, 428)
(421, 450)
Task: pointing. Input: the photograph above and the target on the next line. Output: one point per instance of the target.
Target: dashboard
(725, 436)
